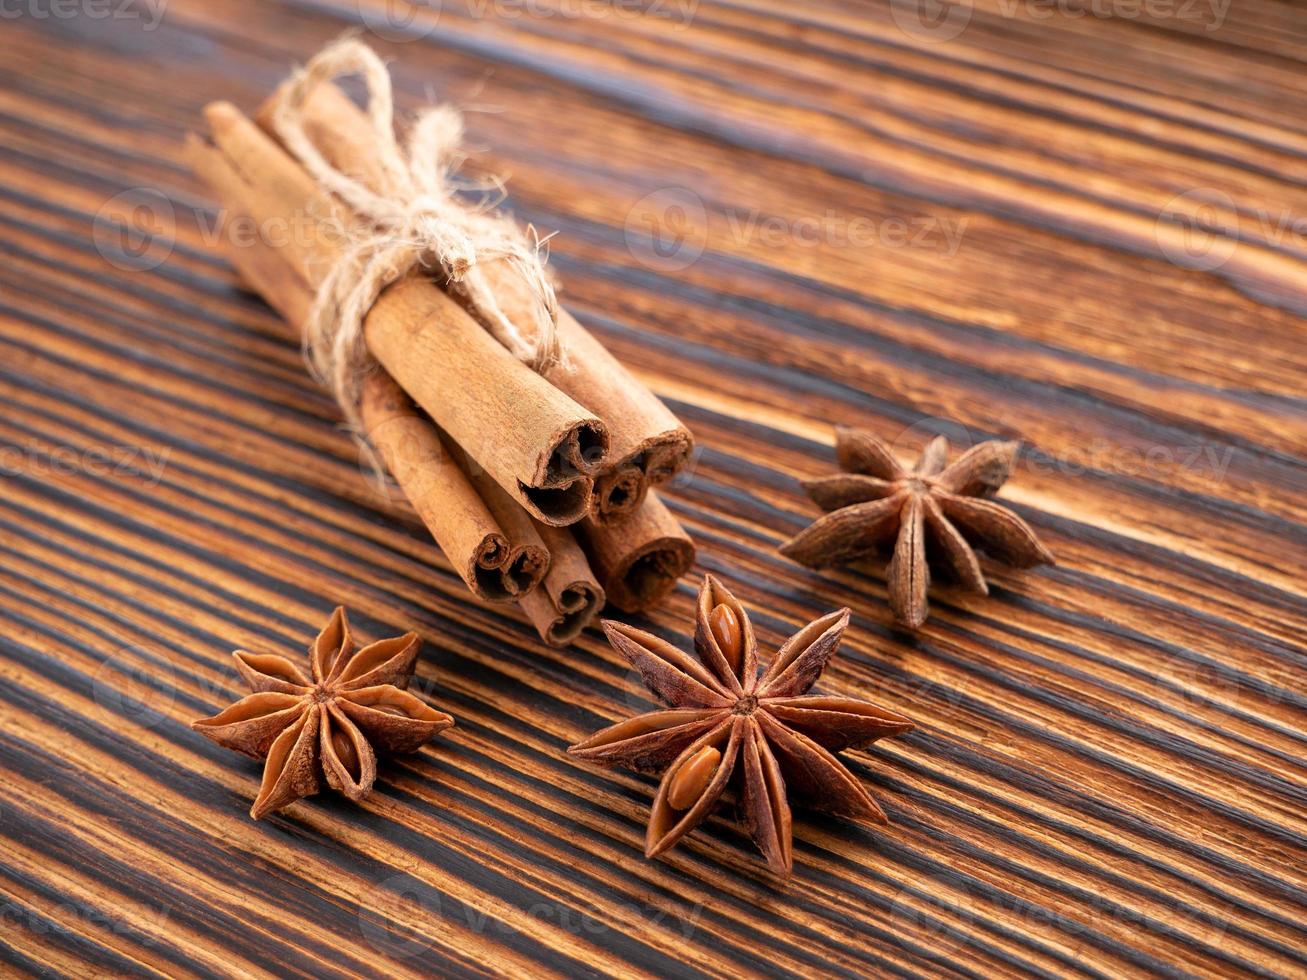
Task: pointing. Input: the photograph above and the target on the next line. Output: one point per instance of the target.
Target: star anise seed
(334, 724)
(727, 725)
(876, 504)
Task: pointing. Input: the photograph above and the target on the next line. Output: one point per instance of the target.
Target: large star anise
(332, 725)
(728, 725)
(876, 503)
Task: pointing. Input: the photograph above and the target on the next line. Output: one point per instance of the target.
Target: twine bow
(413, 219)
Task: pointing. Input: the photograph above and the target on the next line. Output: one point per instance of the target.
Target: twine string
(412, 218)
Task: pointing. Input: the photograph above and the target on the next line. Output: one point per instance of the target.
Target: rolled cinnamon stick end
(570, 597)
(618, 492)
(499, 562)
(535, 442)
(639, 559)
(647, 443)
(531, 556)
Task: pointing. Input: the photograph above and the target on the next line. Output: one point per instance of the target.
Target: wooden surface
(1108, 775)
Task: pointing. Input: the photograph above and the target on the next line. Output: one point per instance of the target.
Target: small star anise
(332, 725)
(729, 725)
(876, 503)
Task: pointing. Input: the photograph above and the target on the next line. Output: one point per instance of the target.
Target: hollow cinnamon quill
(639, 558)
(570, 597)
(500, 559)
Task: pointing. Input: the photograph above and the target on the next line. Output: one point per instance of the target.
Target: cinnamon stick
(495, 558)
(570, 597)
(538, 444)
(515, 522)
(499, 555)
(647, 444)
(638, 559)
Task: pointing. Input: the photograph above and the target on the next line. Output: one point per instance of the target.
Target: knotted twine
(410, 219)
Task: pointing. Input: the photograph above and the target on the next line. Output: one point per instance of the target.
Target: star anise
(729, 726)
(876, 504)
(333, 725)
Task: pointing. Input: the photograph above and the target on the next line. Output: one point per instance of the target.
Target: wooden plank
(893, 230)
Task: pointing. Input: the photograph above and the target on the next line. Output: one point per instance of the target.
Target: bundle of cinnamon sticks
(536, 486)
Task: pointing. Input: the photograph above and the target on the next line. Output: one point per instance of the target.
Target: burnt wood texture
(1077, 225)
